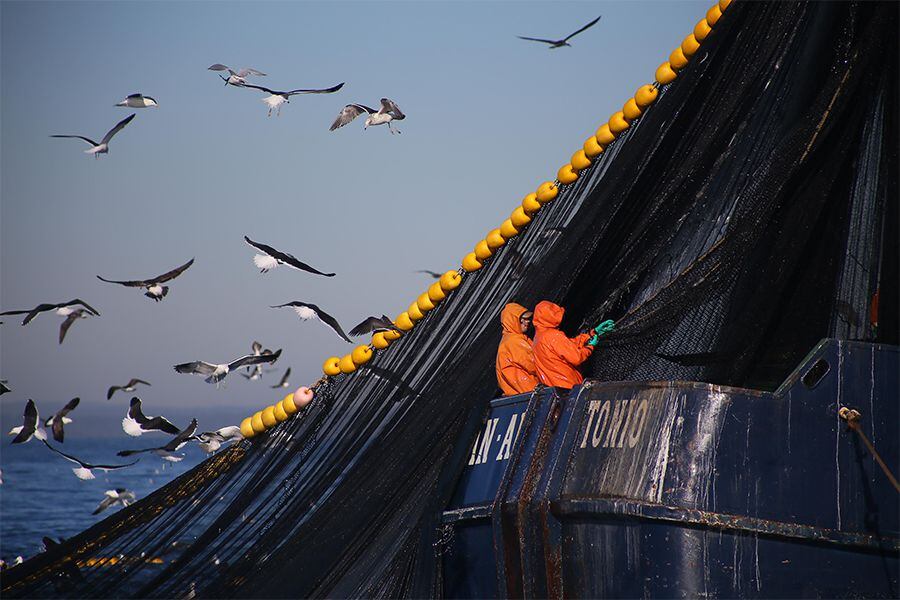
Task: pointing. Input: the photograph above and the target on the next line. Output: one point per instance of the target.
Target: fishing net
(749, 213)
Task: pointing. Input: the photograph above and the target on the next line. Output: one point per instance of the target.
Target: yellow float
(471, 263)
(690, 45)
(450, 281)
(580, 161)
(280, 414)
(247, 428)
(701, 30)
(566, 174)
(665, 74)
(508, 230)
(290, 407)
(361, 355)
(482, 250)
(494, 239)
(424, 302)
(414, 313)
(713, 14)
(435, 292)
(677, 60)
(723, 4)
(617, 123)
(346, 364)
(403, 322)
(519, 218)
(546, 192)
(645, 96)
(530, 204)
(631, 110)
(268, 417)
(330, 367)
(256, 422)
(604, 136)
(591, 147)
(392, 335)
(379, 341)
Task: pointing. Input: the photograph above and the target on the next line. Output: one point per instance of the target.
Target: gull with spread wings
(136, 423)
(103, 147)
(271, 258)
(63, 309)
(307, 311)
(167, 452)
(388, 112)
(84, 470)
(276, 98)
(217, 372)
(155, 290)
(563, 42)
(57, 421)
(235, 78)
(128, 387)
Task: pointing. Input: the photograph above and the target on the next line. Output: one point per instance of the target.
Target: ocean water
(40, 496)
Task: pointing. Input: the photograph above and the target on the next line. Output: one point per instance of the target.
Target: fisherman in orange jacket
(515, 357)
(556, 356)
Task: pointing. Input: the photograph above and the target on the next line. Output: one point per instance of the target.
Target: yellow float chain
(517, 222)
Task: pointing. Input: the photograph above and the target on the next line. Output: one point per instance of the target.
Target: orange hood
(548, 315)
(509, 317)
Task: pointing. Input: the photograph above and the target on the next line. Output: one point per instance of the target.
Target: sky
(489, 117)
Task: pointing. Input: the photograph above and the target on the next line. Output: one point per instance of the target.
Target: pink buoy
(302, 396)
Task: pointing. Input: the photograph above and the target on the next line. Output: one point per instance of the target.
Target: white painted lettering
(615, 423)
(508, 439)
(593, 405)
(486, 441)
(638, 420)
(600, 425)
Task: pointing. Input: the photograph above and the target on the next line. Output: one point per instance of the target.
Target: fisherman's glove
(601, 330)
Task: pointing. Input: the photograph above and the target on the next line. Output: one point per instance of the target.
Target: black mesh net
(749, 213)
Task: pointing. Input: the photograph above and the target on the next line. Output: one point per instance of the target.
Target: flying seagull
(211, 441)
(434, 274)
(275, 98)
(84, 469)
(388, 112)
(562, 42)
(284, 380)
(138, 101)
(71, 317)
(62, 309)
(370, 324)
(154, 289)
(128, 387)
(167, 452)
(236, 78)
(4, 386)
(31, 426)
(271, 258)
(217, 372)
(310, 311)
(255, 372)
(113, 497)
(136, 423)
(57, 421)
(103, 147)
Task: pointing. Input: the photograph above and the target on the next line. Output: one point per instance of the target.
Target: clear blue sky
(488, 118)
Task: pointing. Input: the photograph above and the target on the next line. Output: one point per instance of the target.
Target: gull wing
(390, 107)
(134, 381)
(58, 431)
(198, 366)
(171, 274)
(131, 283)
(285, 258)
(29, 423)
(112, 390)
(183, 436)
(371, 324)
(248, 71)
(284, 379)
(329, 90)
(531, 39)
(109, 134)
(89, 308)
(265, 89)
(104, 504)
(348, 113)
(64, 328)
(80, 137)
(38, 310)
(251, 359)
(220, 67)
(432, 273)
(591, 24)
(68, 457)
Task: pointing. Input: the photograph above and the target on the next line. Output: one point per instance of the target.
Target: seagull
(114, 497)
(62, 309)
(4, 387)
(57, 421)
(138, 101)
(236, 78)
(84, 469)
(284, 380)
(271, 258)
(217, 372)
(388, 112)
(275, 99)
(128, 387)
(154, 289)
(103, 146)
(136, 423)
(167, 452)
(432, 273)
(30, 427)
(562, 42)
(71, 317)
(211, 441)
(371, 324)
(310, 311)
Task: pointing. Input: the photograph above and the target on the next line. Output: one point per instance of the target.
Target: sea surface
(40, 495)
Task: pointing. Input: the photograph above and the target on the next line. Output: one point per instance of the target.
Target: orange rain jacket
(555, 355)
(515, 356)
